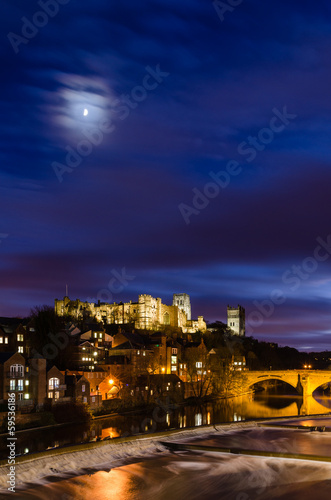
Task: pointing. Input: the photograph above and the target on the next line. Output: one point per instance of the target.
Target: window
(93, 399)
(19, 337)
(53, 383)
(50, 395)
(84, 399)
(173, 368)
(20, 349)
(198, 364)
(6, 340)
(100, 335)
(95, 335)
(16, 371)
(173, 360)
(20, 396)
(1, 340)
(56, 395)
(173, 351)
(20, 385)
(26, 396)
(12, 385)
(83, 388)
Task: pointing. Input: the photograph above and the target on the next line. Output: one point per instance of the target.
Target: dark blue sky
(175, 95)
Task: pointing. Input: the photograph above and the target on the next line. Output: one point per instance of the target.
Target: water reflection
(237, 409)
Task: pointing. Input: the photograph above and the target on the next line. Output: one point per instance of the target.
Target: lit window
(100, 335)
(95, 353)
(26, 395)
(50, 395)
(83, 388)
(95, 335)
(174, 351)
(53, 383)
(198, 364)
(56, 395)
(173, 360)
(26, 382)
(93, 399)
(20, 349)
(20, 385)
(173, 368)
(12, 385)
(19, 337)
(16, 371)
(1, 340)
(6, 340)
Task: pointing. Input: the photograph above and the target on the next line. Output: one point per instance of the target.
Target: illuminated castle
(148, 313)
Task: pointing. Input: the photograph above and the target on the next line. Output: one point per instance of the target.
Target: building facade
(148, 313)
(236, 320)
(182, 301)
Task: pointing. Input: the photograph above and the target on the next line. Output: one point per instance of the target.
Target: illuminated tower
(236, 320)
(182, 301)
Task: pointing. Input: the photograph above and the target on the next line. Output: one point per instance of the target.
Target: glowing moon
(85, 112)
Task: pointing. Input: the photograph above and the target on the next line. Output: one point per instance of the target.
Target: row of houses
(97, 365)
(36, 387)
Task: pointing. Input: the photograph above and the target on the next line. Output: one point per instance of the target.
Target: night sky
(202, 164)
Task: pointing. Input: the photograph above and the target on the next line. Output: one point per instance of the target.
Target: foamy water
(160, 474)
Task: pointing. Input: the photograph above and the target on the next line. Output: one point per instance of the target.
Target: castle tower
(236, 320)
(182, 301)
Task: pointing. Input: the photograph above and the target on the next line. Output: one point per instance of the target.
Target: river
(199, 474)
(167, 416)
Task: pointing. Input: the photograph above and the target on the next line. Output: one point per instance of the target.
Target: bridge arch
(264, 378)
(304, 381)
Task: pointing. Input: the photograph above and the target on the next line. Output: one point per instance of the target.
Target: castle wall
(148, 313)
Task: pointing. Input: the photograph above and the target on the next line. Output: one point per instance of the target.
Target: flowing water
(165, 417)
(157, 473)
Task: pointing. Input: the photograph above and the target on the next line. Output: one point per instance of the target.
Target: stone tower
(182, 301)
(236, 320)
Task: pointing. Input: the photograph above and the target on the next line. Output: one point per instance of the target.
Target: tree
(45, 322)
(198, 370)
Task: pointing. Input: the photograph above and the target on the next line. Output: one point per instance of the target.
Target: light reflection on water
(169, 417)
(197, 475)
(204, 476)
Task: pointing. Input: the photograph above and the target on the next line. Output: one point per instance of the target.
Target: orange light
(111, 381)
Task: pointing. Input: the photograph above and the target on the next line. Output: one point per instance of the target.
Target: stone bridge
(304, 381)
